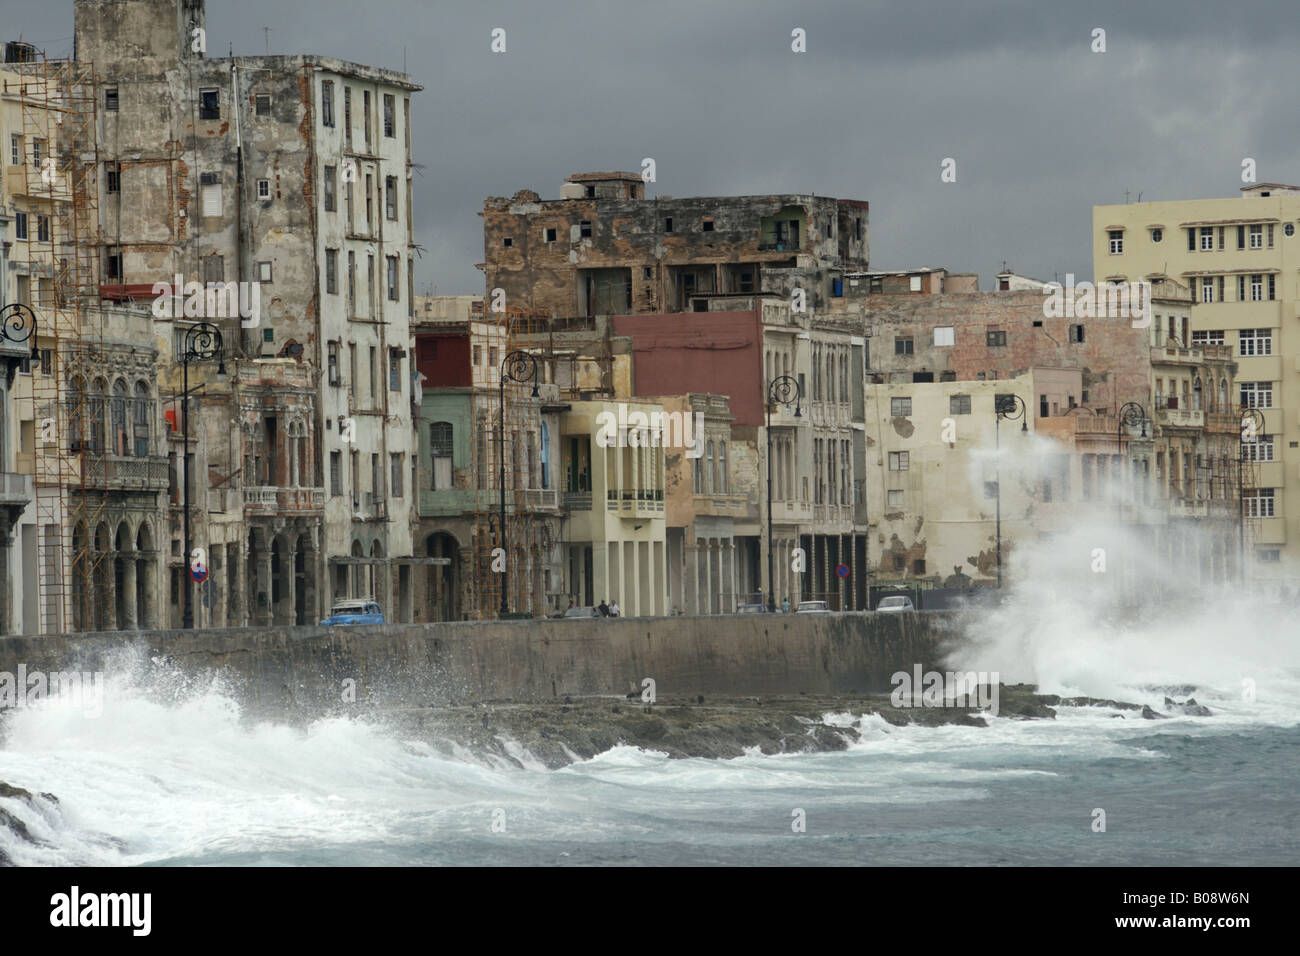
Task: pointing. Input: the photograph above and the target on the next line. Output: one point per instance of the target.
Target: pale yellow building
(1239, 257)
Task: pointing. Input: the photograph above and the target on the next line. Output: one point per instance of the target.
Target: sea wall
(418, 665)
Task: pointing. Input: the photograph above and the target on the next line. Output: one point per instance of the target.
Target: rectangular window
(584, 229)
(943, 335)
(1207, 239)
(1076, 333)
(264, 271)
(372, 370)
(330, 182)
(209, 104)
(1207, 289)
(548, 235)
(331, 271)
(390, 197)
(1241, 237)
(327, 103)
(110, 98)
(214, 269)
(1261, 449)
(15, 150)
(395, 370)
(347, 114)
(1272, 287)
(895, 498)
(900, 407)
(264, 189)
(1255, 342)
(262, 104)
(996, 338)
(392, 279)
(113, 263)
(333, 365)
(20, 225)
(668, 224)
(365, 116)
(397, 467)
(1270, 235)
(1116, 238)
(1208, 337)
(212, 200)
(903, 345)
(390, 119)
(1256, 288)
(1259, 503)
(958, 404)
(336, 473)
(1257, 237)
(43, 228)
(899, 461)
(1257, 394)
(707, 225)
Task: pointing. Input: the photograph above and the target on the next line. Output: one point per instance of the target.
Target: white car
(892, 605)
(812, 607)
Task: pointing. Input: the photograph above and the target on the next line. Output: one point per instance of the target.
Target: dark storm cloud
(1041, 128)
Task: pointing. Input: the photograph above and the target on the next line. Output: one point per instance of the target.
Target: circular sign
(199, 573)
(842, 570)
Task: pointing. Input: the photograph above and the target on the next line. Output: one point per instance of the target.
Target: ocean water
(174, 776)
(187, 782)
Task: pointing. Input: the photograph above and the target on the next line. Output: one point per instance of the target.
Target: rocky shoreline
(560, 733)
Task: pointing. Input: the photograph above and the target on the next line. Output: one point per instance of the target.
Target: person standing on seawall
(603, 608)
(614, 609)
(785, 605)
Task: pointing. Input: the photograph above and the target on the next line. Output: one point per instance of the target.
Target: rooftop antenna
(1139, 199)
(1126, 197)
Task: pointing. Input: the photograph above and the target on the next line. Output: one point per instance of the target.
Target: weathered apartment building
(284, 183)
(605, 249)
(940, 355)
(1238, 260)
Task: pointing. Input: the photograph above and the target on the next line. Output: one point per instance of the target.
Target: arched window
(95, 416)
(711, 475)
(440, 447)
(546, 456)
(117, 416)
(140, 418)
(1196, 393)
(699, 475)
(1223, 395)
(722, 467)
(75, 411)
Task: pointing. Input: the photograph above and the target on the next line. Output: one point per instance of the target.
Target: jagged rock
(1149, 714)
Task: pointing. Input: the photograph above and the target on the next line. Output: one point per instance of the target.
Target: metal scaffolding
(68, 387)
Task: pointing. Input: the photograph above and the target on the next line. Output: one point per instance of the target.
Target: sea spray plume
(1103, 596)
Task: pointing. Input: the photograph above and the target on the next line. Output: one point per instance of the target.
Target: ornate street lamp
(202, 344)
(782, 390)
(1130, 414)
(1012, 408)
(1252, 428)
(18, 324)
(518, 367)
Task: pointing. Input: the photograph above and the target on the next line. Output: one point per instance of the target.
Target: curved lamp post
(18, 324)
(1012, 408)
(782, 390)
(202, 344)
(1130, 415)
(517, 367)
(1252, 426)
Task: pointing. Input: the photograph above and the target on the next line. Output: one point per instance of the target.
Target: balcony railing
(126, 474)
(539, 499)
(577, 500)
(1173, 417)
(269, 499)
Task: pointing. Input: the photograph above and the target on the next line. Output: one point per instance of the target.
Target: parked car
(751, 609)
(812, 607)
(582, 612)
(354, 612)
(894, 604)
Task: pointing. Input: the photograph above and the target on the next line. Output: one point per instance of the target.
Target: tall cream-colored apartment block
(1240, 258)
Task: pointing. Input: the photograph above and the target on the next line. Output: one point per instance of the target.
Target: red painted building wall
(718, 353)
(443, 358)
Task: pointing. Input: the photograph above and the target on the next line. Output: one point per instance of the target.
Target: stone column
(691, 579)
(129, 586)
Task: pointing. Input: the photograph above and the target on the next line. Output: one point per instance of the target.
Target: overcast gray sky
(1041, 127)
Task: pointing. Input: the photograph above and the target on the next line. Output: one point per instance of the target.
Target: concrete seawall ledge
(420, 665)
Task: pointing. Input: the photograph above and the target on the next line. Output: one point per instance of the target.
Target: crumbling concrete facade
(288, 179)
(603, 248)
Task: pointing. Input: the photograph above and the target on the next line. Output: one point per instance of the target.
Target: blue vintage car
(354, 612)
